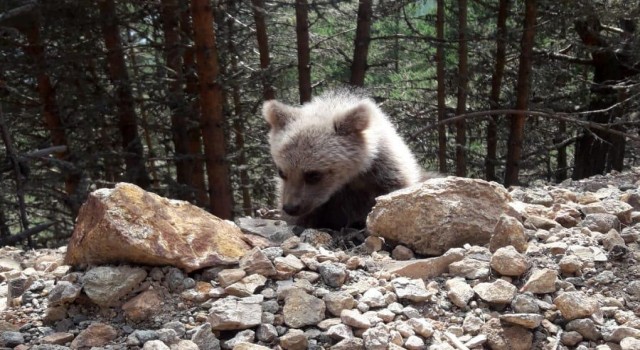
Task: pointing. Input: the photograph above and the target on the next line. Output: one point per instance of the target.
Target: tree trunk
(131, 144)
(211, 102)
(51, 113)
(598, 152)
(304, 52)
(496, 84)
(268, 92)
(195, 161)
(442, 130)
(561, 160)
(361, 43)
(463, 83)
(516, 132)
(175, 98)
(238, 122)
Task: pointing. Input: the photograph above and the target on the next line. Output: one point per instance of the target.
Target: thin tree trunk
(463, 83)
(195, 160)
(304, 52)
(238, 122)
(51, 113)
(268, 92)
(131, 144)
(211, 102)
(442, 130)
(496, 85)
(561, 160)
(516, 132)
(175, 98)
(361, 43)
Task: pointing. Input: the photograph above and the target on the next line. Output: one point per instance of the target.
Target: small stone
(11, 339)
(541, 281)
(586, 327)
(570, 265)
(295, 339)
(630, 343)
(255, 261)
(530, 321)
(142, 306)
(63, 293)
(288, 266)
(459, 292)
(411, 289)
(373, 298)
(601, 222)
(204, 338)
(538, 222)
(184, 345)
(266, 333)
(574, 305)
(470, 268)
(472, 324)
(301, 309)
(376, 338)
(245, 336)
(618, 333)
(58, 338)
(414, 343)
(523, 303)
(498, 292)
(571, 338)
(228, 277)
(353, 318)
(246, 286)
(97, 334)
(339, 332)
(422, 327)
(507, 261)
(349, 344)
(105, 285)
(332, 274)
(233, 313)
(155, 345)
(508, 232)
(402, 253)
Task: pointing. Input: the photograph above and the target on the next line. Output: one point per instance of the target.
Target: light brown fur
(335, 155)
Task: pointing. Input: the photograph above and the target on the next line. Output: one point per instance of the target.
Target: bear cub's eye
(281, 174)
(312, 177)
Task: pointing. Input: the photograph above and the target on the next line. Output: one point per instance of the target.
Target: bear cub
(334, 156)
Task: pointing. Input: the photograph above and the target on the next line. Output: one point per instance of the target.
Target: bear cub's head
(318, 148)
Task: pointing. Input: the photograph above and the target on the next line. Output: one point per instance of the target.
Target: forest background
(166, 94)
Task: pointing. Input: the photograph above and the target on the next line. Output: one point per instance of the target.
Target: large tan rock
(440, 213)
(127, 224)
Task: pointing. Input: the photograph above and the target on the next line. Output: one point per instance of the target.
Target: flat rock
(425, 268)
(530, 321)
(411, 289)
(275, 231)
(541, 281)
(128, 224)
(246, 286)
(97, 334)
(440, 214)
(233, 313)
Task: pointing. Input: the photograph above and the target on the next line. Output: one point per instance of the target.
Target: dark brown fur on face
(335, 155)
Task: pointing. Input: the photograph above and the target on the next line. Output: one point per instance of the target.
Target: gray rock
(459, 292)
(411, 289)
(255, 261)
(63, 293)
(601, 222)
(507, 261)
(470, 268)
(245, 336)
(105, 285)
(11, 339)
(266, 333)
(338, 301)
(586, 327)
(276, 231)
(155, 345)
(376, 338)
(333, 275)
(530, 321)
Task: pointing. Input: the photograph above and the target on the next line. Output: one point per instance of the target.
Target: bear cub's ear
(354, 121)
(278, 114)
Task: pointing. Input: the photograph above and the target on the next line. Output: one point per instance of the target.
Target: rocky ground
(559, 272)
